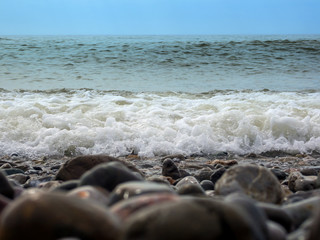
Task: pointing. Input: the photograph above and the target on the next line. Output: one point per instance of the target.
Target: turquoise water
(158, 95)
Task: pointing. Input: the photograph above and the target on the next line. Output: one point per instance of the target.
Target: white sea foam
(150, 124)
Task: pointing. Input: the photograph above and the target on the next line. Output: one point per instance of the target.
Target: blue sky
(73, 17)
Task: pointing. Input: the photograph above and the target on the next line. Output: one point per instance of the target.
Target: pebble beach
(267, 196)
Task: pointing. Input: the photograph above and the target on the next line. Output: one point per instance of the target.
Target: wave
(66, 121)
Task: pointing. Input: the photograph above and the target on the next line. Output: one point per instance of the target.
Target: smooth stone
(277, 214)
(314, 230)
(256, 181)
(203, 174)
(299, 182)
(207, 185)
(67, 186)
(309, 171)
(19, 178)
(6, 188)
(131, 189)
(189, 186)
(169, 169)
(189, 219)
(124, 209)
(90, 193)
(108, 176)
(76, 167)
(51, 216)
(302, 195)
(216, 175)
(187, 180)
(276, 231)
(302, 210)
(191, 189)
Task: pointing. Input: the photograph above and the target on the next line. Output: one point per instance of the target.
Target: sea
(159, 95)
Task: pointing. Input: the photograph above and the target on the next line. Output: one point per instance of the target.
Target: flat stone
(299, 182)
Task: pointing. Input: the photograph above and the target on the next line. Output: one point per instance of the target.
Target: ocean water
(159, 95)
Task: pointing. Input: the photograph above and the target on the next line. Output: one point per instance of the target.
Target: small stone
(131, 189)
(76, 167)
(299, 182)
(108, 176)
(169, 169)
(255, 181)
(19, 178)
(217, 175)
(52, 216)
(207, 185)
(203, 174)
(159, 179)
(49, 185)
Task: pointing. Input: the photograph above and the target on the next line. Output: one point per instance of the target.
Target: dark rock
(6, 188)
(124, 209)
(309, 171)
(108, 176)
(300, 196)
(210, 219)
(281, 175)
(203, 174)
(11, 171)
(184, 173)
(207, 185)
(255, 181)
(131, 189)
(217, 175)
(51, 216)
(76, 167)
(170, 169)
(4, 201)
(37, 168)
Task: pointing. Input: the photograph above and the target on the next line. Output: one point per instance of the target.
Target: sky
(145, 17)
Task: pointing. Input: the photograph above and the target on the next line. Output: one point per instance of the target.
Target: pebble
(169, 169)
(108, 176)
(6, 188)
(256, 181)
